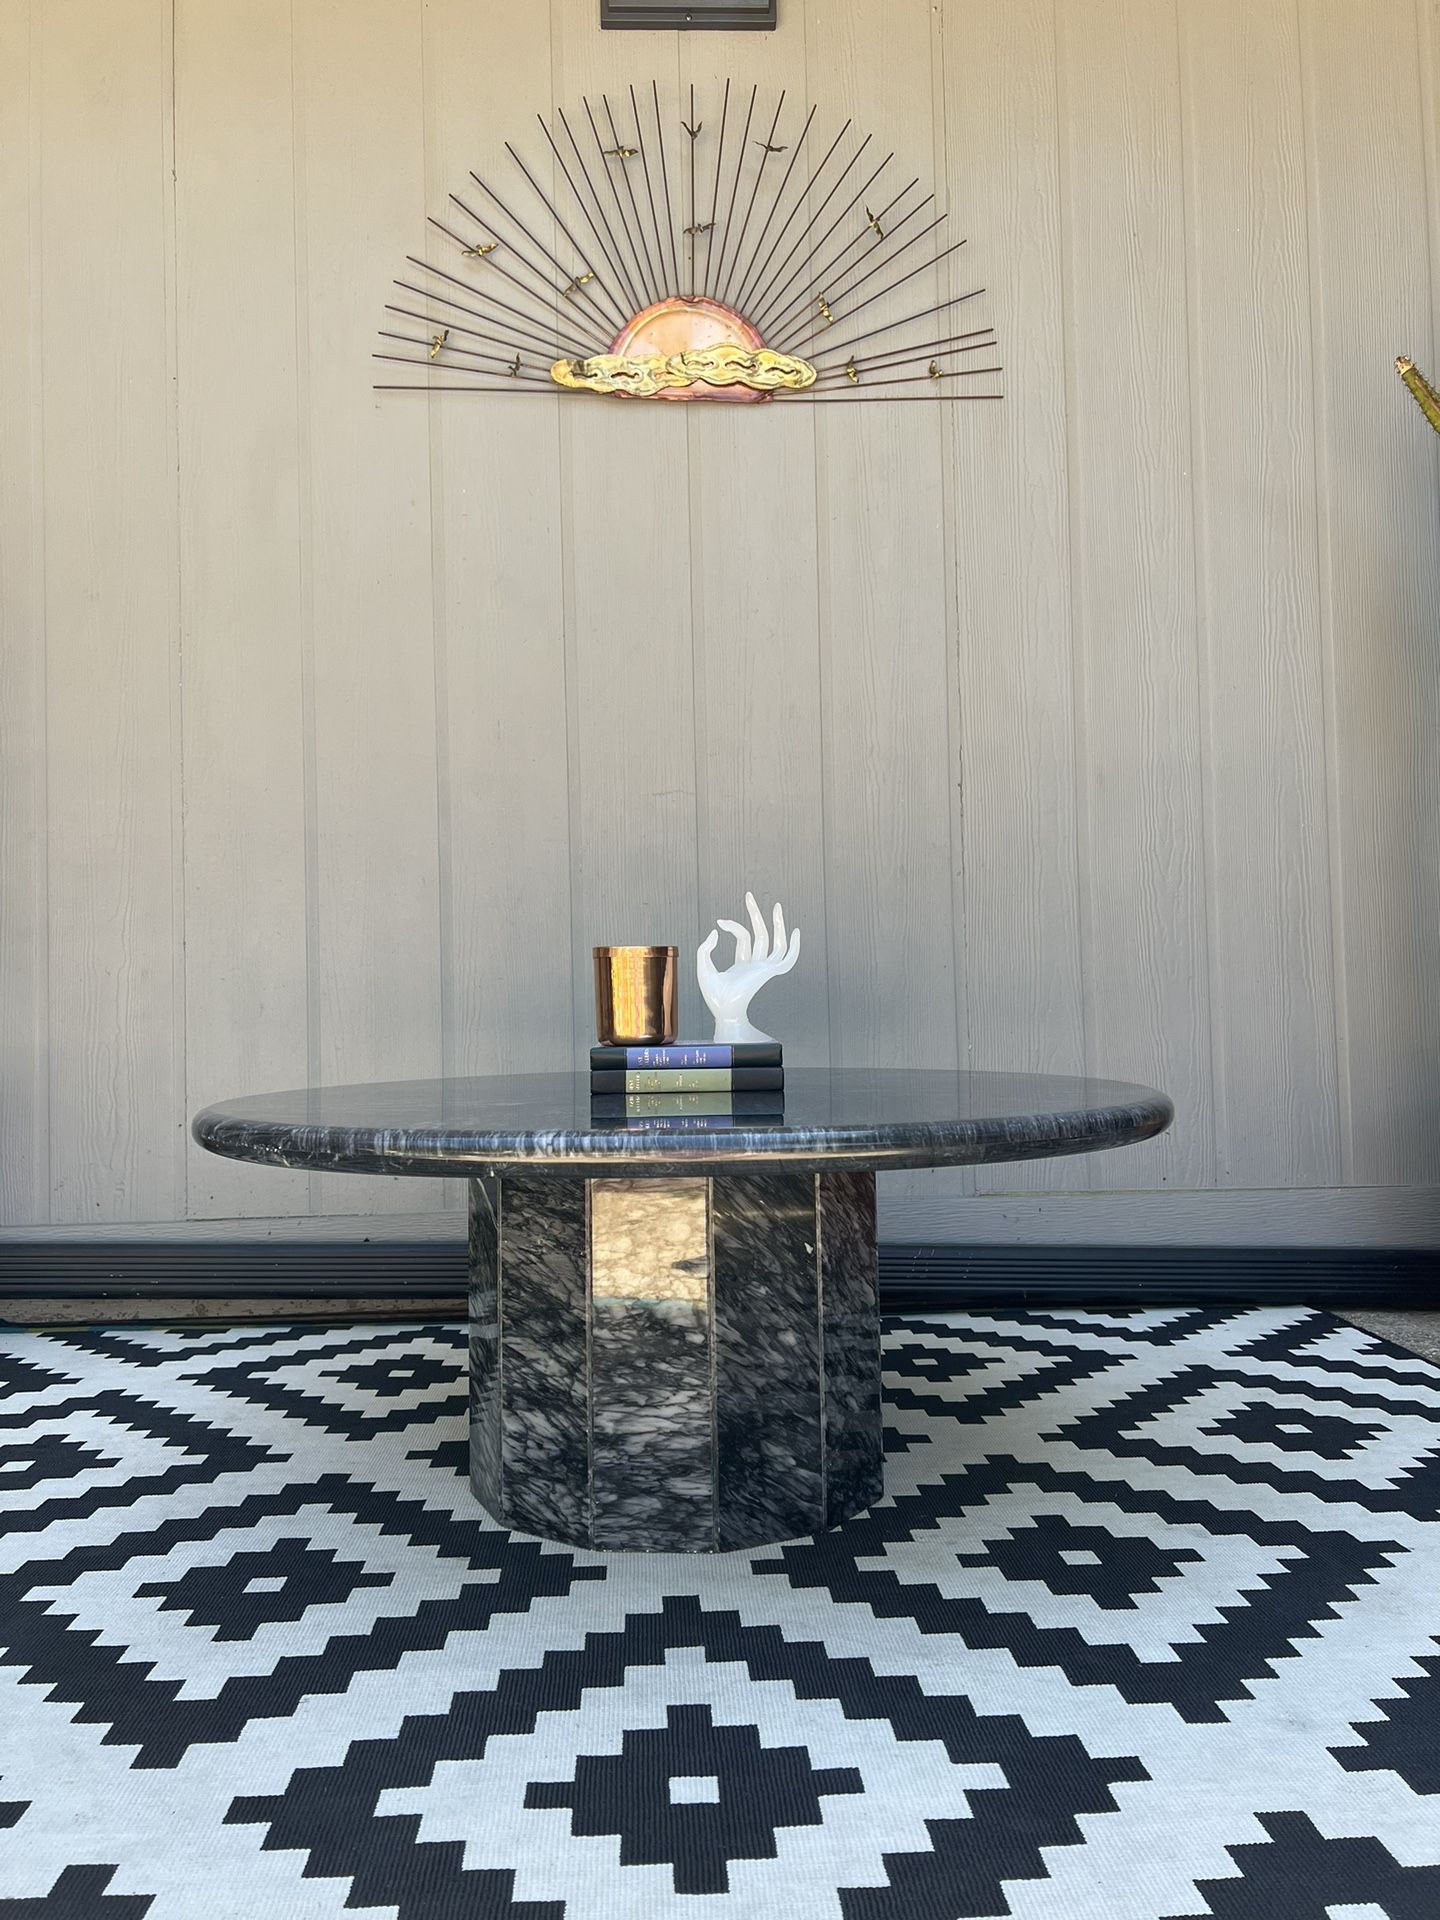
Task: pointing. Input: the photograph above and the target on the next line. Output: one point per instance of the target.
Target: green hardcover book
(691, 1080)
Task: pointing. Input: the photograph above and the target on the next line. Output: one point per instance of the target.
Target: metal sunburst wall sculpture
(727, 256)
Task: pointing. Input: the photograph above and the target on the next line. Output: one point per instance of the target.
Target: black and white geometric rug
(1145, 1629)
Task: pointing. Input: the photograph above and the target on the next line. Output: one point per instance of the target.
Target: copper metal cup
(635, 996)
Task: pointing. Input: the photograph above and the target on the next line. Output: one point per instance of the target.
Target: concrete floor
(1418, 1331)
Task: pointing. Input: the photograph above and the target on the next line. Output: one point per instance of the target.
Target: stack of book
(699, 1084)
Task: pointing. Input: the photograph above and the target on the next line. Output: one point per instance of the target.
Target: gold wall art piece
(729, 251)
(679, 376)
(1426, 398)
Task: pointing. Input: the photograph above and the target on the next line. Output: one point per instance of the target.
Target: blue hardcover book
(693, 1055)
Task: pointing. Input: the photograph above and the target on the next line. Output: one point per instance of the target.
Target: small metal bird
(620, 153)
(934, 369)
(694, 132)
(515, 367)
(852, 373)
(480, 249)
(701, 226)
(825, 314)
(438, 342)
(765, 147)
(873, 223)
(580, 280)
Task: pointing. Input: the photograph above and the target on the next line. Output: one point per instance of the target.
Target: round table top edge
(638, 1153)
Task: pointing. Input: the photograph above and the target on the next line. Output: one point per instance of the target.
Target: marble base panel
(674, 1366)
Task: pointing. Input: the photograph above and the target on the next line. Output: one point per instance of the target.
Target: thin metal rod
(735, 186)
(884, 292)
(909, 379)
(506, 337)
(840, 218)
(880, 399)
(508, 333)
(943, 306)
(617, 258)
(503, 338)
(554, 212)
(787, 399)
(439, 386)
(692, 132)
(643, 297)
(480, 373)
(654, 278)
(853, 286)
(665, 182)
(515, 220)
(612, 166)
(465, 287)
(609, 253)
(469, 352)
(982, 340)
(715, 191)
(552, 296)
(554, 289)
(547, 305)
(823, 280)
(757, 275)
(649, 188)
(768, 148)
(763, 299)
(774, 208)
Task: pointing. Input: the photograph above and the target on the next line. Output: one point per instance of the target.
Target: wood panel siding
(1091, 731)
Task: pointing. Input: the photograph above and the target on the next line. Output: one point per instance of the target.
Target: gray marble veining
(544, 1358)
(484, 1313)
(653, 1482)
(674, 1366)
(768, 1408)
(846, 1118)
(650, 1365)
(850, 1336)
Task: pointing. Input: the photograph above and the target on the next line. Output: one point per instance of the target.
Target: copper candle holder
(635, 996)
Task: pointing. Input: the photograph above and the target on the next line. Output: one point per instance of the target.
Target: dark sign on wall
(700, 15)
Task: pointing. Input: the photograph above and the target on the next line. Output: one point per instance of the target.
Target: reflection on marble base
(674, 1366)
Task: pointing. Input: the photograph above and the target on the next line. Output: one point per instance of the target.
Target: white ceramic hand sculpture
(757, 959)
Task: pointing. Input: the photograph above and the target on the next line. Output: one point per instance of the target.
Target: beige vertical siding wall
(1097, 730)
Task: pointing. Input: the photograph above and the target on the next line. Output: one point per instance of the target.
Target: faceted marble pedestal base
(674, 1366)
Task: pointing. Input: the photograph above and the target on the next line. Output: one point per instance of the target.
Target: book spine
(673, 1059)
(674, 1106)
(697, 1080)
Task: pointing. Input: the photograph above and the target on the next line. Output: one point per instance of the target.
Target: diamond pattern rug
(1146, 1628)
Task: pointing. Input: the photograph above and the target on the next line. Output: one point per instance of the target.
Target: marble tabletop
(857, 1118)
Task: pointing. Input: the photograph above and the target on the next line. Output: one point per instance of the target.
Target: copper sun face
(679, 326)
(686, 347)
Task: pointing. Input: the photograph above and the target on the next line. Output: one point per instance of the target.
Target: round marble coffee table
(674, 1323)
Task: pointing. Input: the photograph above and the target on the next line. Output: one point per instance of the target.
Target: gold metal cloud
(759, 368)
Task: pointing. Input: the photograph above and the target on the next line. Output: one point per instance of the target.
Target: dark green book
(674, 1106)
(691, 1080)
